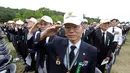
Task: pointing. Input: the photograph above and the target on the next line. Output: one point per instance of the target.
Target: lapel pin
(83, 53)
(85, 63)
(58, 60)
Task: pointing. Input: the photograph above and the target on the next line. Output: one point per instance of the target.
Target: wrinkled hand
(97, 26)
(34, 28)
(50, 31)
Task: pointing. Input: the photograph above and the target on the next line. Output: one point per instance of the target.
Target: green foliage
(6, 14)
(16, 14)
(91, 20)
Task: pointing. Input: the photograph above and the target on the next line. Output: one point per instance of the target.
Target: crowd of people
(74, 46)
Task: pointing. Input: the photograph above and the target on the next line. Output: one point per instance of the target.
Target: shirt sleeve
(120, 38)
(29, 36)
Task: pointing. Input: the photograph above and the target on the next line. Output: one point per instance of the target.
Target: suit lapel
(82, 53)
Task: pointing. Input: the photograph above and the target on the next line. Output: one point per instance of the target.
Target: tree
(6, 14)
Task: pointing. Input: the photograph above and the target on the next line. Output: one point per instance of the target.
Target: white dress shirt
(117, 37)
(75, 51)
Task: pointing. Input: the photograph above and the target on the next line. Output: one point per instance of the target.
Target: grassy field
(122, 64)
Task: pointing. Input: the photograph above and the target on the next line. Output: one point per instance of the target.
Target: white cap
(73, 18)
(127, 24)
(94, 22)
(32, 20)
(119, 24)
(104, 21)
(85, 20)
(58, 22)
(123, 24)
(20, 22)
(4, 22)
(47, 19)
(10, 22)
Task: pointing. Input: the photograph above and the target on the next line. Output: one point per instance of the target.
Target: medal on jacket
(58, 60)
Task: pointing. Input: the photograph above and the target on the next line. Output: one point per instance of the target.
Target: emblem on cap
(70, 13)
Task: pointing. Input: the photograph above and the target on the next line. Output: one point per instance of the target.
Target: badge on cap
(58, 60)
(70, 13)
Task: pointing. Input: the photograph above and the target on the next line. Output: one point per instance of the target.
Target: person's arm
(31, 31)
(49, 31)
(110, 48)
(120, 39)
(93, 61)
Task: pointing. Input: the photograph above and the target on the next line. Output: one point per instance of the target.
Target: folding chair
(3, 47)
(5, 53)
(4, 62)
(11, 68)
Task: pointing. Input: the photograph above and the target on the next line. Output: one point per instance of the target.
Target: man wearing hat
(20, 36)
(44, 23)
(102, 40)
(87, 31)
(61, 31)
(30, 66)
(71, 54)
(8, 28)
(117, 32)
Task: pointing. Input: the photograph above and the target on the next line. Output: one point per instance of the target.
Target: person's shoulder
(110, 34)
(58, 38)
(89, 47)
(118, 28)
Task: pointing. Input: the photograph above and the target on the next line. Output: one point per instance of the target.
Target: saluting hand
(34, 28)
(50, 31)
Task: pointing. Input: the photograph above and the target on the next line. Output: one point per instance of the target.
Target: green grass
(122, 64)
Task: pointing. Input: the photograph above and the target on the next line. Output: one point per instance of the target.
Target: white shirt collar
(103, 31)
(77, 44)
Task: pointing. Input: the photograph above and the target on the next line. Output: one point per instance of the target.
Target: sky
(104, 9)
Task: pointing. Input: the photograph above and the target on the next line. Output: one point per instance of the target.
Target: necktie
(72, 55)
(103, 34)
(113, 30)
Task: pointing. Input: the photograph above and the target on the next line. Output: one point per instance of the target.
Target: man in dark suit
(70, 55)
(102, 40)
(43, 24)
(61, 31)
(87, 31)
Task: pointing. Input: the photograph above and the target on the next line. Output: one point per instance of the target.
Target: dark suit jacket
(58, 47)
(61, 32)
(103, 51)
(87, 36)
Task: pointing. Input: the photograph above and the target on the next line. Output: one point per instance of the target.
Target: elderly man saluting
(71, 54)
